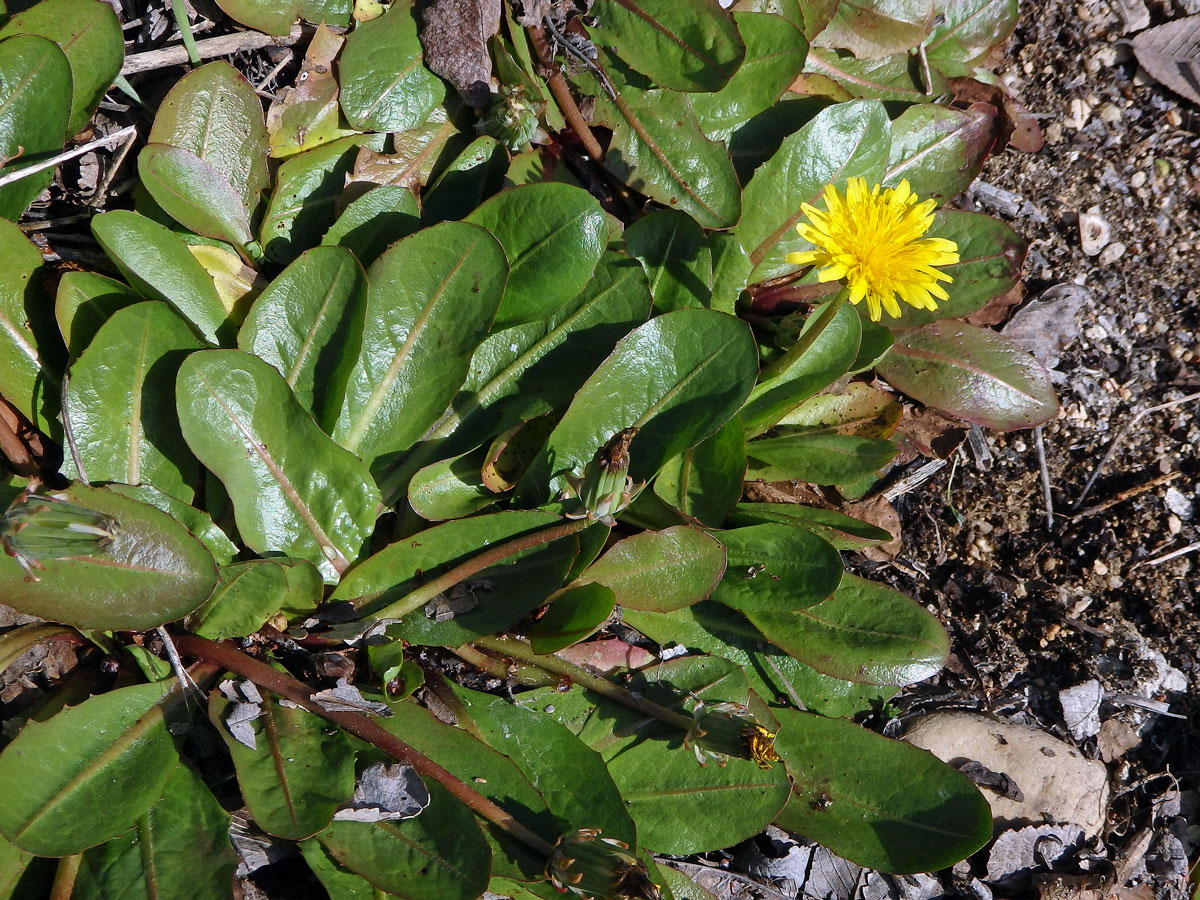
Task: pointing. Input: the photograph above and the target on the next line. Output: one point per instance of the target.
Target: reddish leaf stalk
(416, 599)
(359, 725)
(520, 650)
(562, 95)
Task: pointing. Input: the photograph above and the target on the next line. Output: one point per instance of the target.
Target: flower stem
(360, 726)
(417, 598)
(520, 650)
(807, 338)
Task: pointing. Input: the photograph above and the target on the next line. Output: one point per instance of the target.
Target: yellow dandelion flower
(875, 241)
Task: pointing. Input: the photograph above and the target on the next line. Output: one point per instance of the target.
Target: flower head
(722, 730)
(875, 240)
(597, 868)
(46, 526)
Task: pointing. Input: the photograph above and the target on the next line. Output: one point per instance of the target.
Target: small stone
(1099, 567)
(1138, 179)
(1111, 253)
(1054, 132)
(1079, 112)
(1111, 113)
(1178, 503)
(1094, 233)
(1106, 56)
(1174, 119)
(1174, 526)
(1081, 708)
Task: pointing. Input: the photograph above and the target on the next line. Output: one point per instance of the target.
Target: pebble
(1111, 113)
(1080, 112)
(1111, 253)
(1138, 179)
(1094, 233)
(1174, 119)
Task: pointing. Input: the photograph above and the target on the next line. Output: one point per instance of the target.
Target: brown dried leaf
(1171, 54)
(455, 37)
(998, 308)
(307, 115)
(1015, 125)
(879, 512)
(931, 433)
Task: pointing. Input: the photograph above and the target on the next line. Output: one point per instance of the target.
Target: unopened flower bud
(44, 526)
(597, 868)
(722, 730)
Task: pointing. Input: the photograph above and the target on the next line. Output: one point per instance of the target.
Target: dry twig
(209, 48)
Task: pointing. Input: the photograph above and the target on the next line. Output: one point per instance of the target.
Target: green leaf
(678, 378)
(297, 774)
(89, 34)
(275, 17)
(773, 674)
(990, 258)
(381, 216)
(756, 141)
(575, 612)
(492, 774)
(431, 299)
(830, 347)
(685, 45)
(731, 270)
(472, 177)
(681, 885)
(121, 401)
(775, 52)
(308, 325)
(154, 571)
(553, 235)
(966, 31)
(84, 302)
(660, 571)
(842, 531)
(570, 775)
(776, 568)
(159, 857)
(877, 27)
(294, 490)
(111, 753)
(842, 141)
(35, 109)
(659, 150)
(674, 252)
(847, 797)
(214, 113)
(681, 807)
(972, 373)
(817, 458)
(939, 150)
(451, 488)
(865, 632)
(306, 188)
(194, 194)
(438, 855)
(248, 595)
(898, 78)
(199, 523)
(14, 863)
(339, 883)
(706, 481)
(28, 361)
(385, 85)
(159, 265)
(494, 599)
(524, 372)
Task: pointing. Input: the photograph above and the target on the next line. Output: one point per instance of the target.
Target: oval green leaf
(842, 531)
(194, 194)
(865, 632)
(248, 595)
(298, 772)
(89, 33)
(553, 235)
(431, 300)
(939, 150)
(660, 571)
(294, 490)
(678, 378)
(112, 752)
(685, 45)
(214, 113)
(153, 572)
(381, 216)
(674, 251)
(121, 401)
(277, 18)
(847, 797)
(158, 858)
(705, 482)
(84, 302)
(817, 458)
(776, 568)
(775, 51)
(973, 373)
(439, 855)
(575, 612)
(35, 108)
(159, 265)
(384, 83)
(29, 363)
(308, 325)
